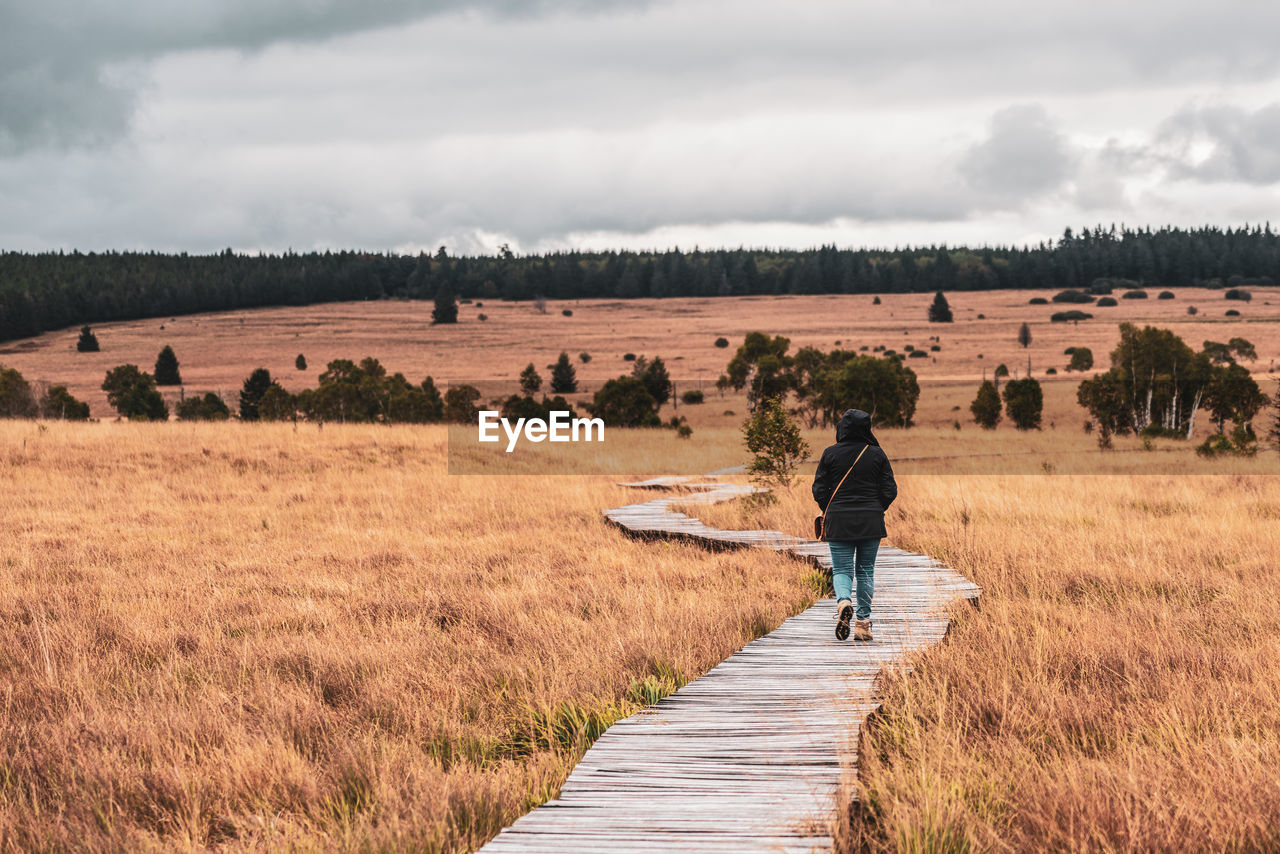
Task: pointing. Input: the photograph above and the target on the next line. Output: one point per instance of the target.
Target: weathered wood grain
(750, 757)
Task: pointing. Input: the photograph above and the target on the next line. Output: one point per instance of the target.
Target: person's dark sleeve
(821, 488)
(888, 486)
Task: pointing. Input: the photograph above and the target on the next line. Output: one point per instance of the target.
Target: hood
(855, 426)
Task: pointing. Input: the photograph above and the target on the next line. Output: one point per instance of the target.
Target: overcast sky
(407, 124)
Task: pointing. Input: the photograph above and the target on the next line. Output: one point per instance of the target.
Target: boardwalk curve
(751, 756)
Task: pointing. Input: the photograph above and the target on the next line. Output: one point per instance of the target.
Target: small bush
(1052, 371)
(1068, 351)
(88, 342)
(935, 348)
(1106, 302)
(628, 357)
(1075, 315)
(692, 396)
(1071, 296)
(1192, 310)
(918, 354)
(1238, 294)
(1231, 312)
(1039, 301)
(301, 362)
(1002, 370)
(982, 317)
(722, 342)
(876, 301)
(567, 312)
(909, 347)
(482, 317)
(1165, 295)
(1134, 294)
(684, 431)
(584, 357)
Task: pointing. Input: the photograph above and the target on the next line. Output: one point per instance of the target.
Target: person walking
(854, 485)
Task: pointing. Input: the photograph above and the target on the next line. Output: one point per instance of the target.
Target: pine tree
(301, 362)
(251, 394)
(88, 342)
(564, 379)
(530, 380)
(986, 406)
(1024, 335)
(940, 311)
(167, 368)
(446, 307)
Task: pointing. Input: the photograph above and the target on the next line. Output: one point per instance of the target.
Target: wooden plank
(749, 757)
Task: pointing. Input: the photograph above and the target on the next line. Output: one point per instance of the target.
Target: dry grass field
(217, 351)
(1118, 688)
(247, 637)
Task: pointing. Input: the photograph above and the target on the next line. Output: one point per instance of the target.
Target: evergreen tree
(1024, 335)
(301, 362)
(446, 304)
(1024, 401)
(167, 368)
(986, 406)
(564, 379)
(657, 381)
(940, 310)
(133, 393)
(255, 386)
(88, 342)
(530, 380)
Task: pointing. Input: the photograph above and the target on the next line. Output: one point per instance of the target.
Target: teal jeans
(850, 559)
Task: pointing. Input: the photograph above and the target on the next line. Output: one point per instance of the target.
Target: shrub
(133, 394)
(278, 405)
(584, 357)
(1072, 296)
(1134, 294)
(301, 362)
(1039, 301)
(628, 357)
(482, 317)
(1101, 287)
(982, 317)
(1081, 359)
(1068, 351)
(722, 342)
(167, 368)
(876, 301)
(1238, 294)
(1024, 403)
(207, 408)
(918, 354)
(1192, 310)
(1165, 295)
(692, 396)
(1002, 370)
(530, 380)
(684, 431)
(1069, 316)
(986, 406)
(1052, 371)
(88, 342)
(16, 399)
(58, 403)
(1106, 302)
(1231, 312)
(933, 348)
(567, 312)
(909, 347)
(459, 404)
(625, 402)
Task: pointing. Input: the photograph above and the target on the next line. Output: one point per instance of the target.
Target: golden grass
(250, 637)
(1117, 690)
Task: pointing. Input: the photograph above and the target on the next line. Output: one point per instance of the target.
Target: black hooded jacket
(857, 512)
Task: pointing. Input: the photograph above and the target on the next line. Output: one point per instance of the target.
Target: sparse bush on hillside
(1038, 301)
(1107, 302)
(1134, 294)
(722, 342)
(692, 397)
(1231, 312)
(1238, 294)
(1165, 295)
(1073, 316)
(1081, 359)
(1072, 296)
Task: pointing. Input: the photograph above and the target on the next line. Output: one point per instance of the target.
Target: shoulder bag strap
(841, 483)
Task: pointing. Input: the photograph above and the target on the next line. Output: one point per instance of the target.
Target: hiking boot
(844, 613)
(861, 630)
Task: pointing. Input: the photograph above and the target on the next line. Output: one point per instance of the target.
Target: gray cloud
(1241, 145)
(1024, 157)
(59, 59)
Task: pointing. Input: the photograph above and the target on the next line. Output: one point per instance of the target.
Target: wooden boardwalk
(751, 756)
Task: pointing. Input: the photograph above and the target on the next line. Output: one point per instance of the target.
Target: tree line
(53, 290)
